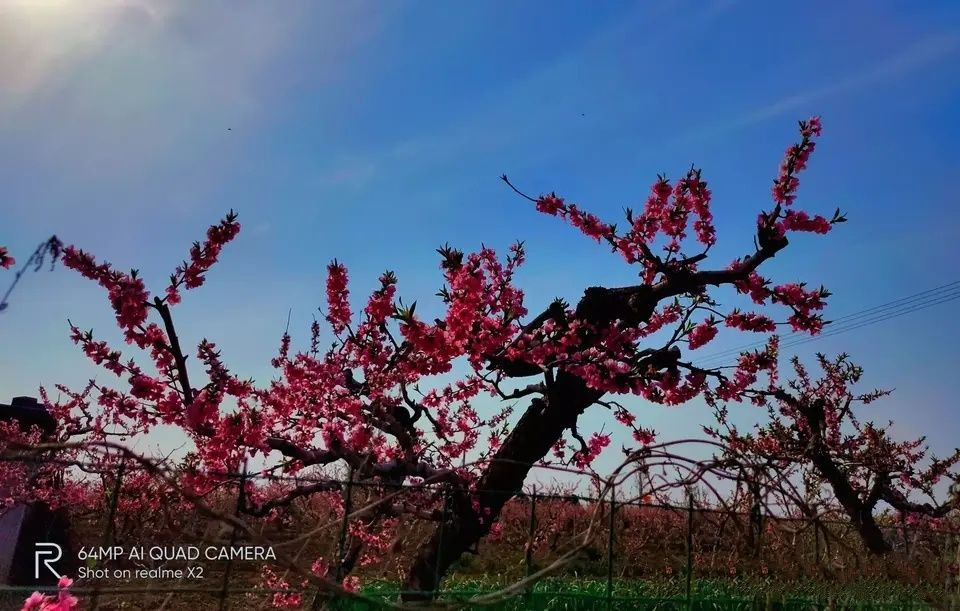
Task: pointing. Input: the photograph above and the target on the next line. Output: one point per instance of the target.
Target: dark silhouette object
(52, 247)
(38, 524)
(22, 526)
(27, 411)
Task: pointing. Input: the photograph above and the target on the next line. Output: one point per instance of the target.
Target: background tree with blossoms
(370, 402)
(814, 424)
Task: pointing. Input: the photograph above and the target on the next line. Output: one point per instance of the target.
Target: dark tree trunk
(540, 427)
(545, 420)
(859, 512)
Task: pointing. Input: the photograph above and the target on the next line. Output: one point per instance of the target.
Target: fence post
(613, 510)
(436, 567)
(531, 530)
(760, 528)
(816, 540)
(342, 541)
(344, 525)
(947, 540)
(224, 590)
(114, 500)
(689, 547)
(109, 532)
(906, 534)
(957, 579)
(958, 567)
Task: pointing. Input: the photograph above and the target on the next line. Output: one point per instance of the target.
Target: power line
(861, 318)
(879, 316)
(867, 323)
(922, 296)
(798, 338)
(914, 297)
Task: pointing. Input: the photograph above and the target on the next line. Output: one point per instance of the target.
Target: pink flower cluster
(282, 599)
(702, 334)
(127, 293)
(63, 601)
(588, 223)
(805, 304)
(338, 313)
(595, 445)
(668, 210)
(192, 274)
(749, 365)
(670, 388)
(798, 220)
(753, 285)
(6, 261)
(750, 321)
(483, 308)
(795, 160)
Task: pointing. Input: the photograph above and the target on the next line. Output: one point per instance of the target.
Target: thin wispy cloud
(516, 117)
(914, 57)
(347, 171)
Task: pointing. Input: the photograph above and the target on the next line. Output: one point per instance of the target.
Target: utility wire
(798, 338)
(861, 318)
(879, 316)
(873, 321)
(940, 291)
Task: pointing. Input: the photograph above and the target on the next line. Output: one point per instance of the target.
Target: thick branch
(898, 501)
(175, 350)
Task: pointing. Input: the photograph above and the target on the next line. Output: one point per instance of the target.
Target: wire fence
(642, 556)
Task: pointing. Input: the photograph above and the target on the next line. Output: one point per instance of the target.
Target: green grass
(669, 594)
(661, 594)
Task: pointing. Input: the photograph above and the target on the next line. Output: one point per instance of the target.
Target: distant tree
(815, 425)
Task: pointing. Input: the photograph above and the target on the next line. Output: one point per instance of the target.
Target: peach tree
(371, 403)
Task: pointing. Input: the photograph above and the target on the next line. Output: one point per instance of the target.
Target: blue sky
(375, 132)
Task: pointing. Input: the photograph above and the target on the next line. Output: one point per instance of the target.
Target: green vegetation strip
(667, 594)
(663, 594)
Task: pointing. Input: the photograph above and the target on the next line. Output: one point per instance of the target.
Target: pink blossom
(338, 313)
(34, 601)
(6, 261)
(192, 274)
(550, 204)
(644, 437)
(702, 334)
(750, 321)
(63, 601)
(595, 445)
(798, 220)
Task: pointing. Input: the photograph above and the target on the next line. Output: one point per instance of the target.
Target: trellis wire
(347, 487)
